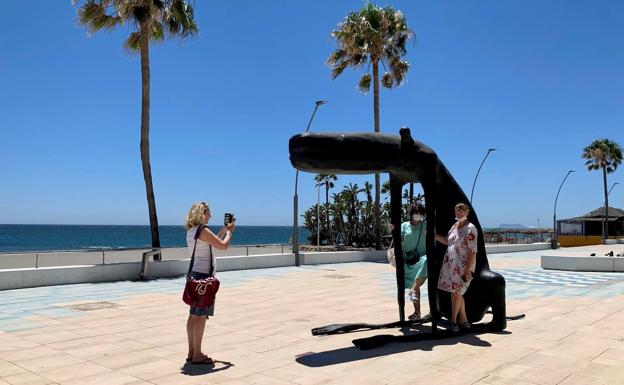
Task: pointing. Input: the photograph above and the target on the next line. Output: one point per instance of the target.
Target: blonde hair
(195, 216)
(462, 207)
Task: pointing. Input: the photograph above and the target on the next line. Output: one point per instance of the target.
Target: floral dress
(461, 242)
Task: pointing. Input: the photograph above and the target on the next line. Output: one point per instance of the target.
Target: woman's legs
(418, 282)
(455, 305)
(462, 310)
(189, 334)
(199, 323)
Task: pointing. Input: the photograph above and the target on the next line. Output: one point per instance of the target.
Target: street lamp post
(609, 193)
(554, 242)
(295, 246)
(479, 170)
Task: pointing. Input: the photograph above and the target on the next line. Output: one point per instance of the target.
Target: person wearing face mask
(459, 264)
(413, 241)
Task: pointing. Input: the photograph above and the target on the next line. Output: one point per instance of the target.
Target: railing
(39, 259)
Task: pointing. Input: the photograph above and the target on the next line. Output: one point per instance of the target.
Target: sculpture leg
(495, 284)
(395, 218)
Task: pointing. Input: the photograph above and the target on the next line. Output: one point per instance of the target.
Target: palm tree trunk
(327, 210)
(605, 220)
(377, 129)
(145, 155)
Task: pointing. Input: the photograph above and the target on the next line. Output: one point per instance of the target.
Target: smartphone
(229, 218)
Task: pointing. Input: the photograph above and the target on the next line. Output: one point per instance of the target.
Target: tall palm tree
(150, 20)
(371, 36)
(327, 179)
(606, 155)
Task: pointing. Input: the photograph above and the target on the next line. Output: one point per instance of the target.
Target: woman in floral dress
(459, 264)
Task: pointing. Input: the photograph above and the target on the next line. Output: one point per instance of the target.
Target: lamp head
(321, 102)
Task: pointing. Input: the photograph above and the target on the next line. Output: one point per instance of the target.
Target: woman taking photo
(203, 267)
(459, 264)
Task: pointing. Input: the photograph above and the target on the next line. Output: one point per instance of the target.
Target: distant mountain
(512, 226)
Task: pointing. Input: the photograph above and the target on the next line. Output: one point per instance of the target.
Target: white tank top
(203, 255)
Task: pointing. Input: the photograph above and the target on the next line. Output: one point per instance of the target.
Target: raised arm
(215, 241)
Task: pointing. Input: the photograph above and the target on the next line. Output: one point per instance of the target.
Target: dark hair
(417, 208)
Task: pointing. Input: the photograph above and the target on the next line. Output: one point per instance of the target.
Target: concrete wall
(577, 263)
(63, 275)
(515, 248)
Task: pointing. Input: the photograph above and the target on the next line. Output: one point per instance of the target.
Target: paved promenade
(134, 332)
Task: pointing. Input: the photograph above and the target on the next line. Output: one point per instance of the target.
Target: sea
(33, 238)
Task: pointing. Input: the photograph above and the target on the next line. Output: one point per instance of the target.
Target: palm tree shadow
(199, 370)
(417, 339)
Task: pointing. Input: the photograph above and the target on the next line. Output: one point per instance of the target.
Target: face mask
(417, 218)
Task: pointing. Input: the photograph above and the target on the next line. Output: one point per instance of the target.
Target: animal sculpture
(407, 160)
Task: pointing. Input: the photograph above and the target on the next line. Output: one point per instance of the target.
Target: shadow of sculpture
(406, 160)
(421, 339)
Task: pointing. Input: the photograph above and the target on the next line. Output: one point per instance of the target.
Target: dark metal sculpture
(407, 161)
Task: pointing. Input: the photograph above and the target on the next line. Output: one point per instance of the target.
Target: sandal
(205, 361)
(414, 316)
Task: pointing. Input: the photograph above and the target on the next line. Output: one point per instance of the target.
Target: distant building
(587, 229)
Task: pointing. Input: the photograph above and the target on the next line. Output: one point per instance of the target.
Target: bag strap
(199, 230)
(212, 265)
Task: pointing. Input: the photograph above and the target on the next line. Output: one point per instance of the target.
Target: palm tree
(371, 36)
(603, 154)
(151, 19)
(327, 179)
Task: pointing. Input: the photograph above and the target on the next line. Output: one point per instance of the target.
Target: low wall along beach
(175, 264)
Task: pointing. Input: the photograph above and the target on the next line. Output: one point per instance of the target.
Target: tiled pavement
(572, 333)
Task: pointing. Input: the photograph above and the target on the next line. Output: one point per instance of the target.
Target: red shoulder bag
(200, 292)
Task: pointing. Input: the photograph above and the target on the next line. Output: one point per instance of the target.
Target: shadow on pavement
(198, 370)
(422, 339)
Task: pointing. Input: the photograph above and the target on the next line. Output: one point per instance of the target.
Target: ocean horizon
(39, 238)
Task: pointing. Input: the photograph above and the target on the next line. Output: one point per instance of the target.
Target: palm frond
(175, 17)
(133, 42)
(158, 32)
(338, 69)
(603, 153)
(387, 80)
(364, 83)
(372, 34)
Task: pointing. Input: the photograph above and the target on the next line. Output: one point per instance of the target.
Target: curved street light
(554, 243)
(609, 193)
(478, 171)
(295, 246)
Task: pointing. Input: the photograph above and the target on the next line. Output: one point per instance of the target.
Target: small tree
(606, 155)
(328, 180)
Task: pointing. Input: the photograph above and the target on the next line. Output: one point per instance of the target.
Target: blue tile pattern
(16, 306)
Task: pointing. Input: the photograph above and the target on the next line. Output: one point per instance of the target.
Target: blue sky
(537, 80)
